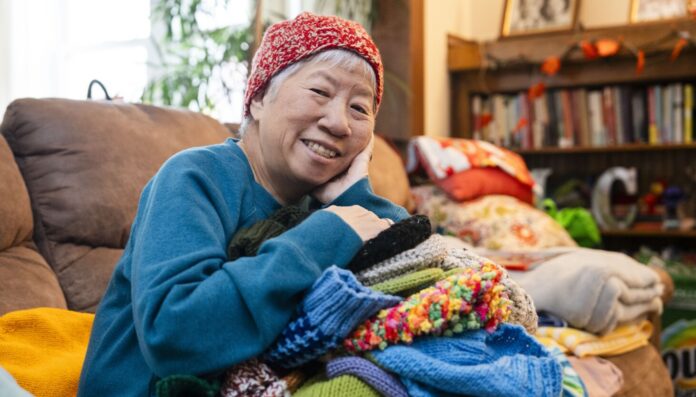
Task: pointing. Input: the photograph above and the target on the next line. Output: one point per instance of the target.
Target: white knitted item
(429, 253)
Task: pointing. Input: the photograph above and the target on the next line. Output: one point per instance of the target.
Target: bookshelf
(508, 67)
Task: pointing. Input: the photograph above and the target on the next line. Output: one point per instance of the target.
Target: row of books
(604, 116)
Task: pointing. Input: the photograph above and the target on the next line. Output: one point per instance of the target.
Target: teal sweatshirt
(176, 305)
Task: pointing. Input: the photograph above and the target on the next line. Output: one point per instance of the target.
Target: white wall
(480, 20)
(4, 59)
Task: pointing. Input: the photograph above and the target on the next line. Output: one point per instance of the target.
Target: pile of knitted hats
(408, 317)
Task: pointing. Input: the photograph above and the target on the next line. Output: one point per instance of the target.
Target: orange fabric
(43, 349)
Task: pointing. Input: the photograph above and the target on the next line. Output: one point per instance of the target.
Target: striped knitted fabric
(334, 306)
(430, 253)
(416, 280)
(471, 299)
(369, 373)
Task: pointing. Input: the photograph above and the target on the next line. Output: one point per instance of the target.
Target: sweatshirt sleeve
(361, 194)
(194, 311)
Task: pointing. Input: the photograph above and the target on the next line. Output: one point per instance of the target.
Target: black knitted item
(247, 241)
(400, 237)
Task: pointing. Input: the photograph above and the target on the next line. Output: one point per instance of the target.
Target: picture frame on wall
(659, 10)
(525, 17)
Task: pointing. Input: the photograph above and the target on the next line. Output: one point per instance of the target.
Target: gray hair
(336, 57)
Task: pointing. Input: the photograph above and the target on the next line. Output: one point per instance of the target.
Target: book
(677, 114)
(639, 118)
(688, 113)
(653, 137)
(567, 139)
(580, 105)
(476, 113)
(594, 110)
(608, 116)
(667, 115)
(657, 104)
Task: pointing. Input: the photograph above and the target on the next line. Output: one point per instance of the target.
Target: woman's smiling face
(316, 122)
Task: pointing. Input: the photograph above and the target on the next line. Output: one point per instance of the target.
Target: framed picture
(538, 16)
(655, 10)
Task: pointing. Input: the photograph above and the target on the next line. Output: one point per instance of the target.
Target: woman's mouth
(319, 149)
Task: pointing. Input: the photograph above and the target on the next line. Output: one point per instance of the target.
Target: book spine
(678, 113)
(688, 113)
(658, 115)
(666, 129)
(595, 112)
(568, 132)
(476, 116)
(583, 116)
(619, 112)
(652, 117)
(608, 116)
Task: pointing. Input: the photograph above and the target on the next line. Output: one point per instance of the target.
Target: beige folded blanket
(593, 290)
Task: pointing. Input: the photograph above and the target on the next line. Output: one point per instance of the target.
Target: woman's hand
(357, 170)
(365, 223)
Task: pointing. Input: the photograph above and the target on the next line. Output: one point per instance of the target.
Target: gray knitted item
(429, 253)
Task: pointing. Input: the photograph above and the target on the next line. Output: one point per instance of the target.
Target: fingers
(365, 223)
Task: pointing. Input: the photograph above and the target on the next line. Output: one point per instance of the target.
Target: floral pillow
(493, 222)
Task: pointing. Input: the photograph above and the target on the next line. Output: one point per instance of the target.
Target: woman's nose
(335, 119)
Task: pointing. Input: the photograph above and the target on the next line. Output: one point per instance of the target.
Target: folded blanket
(508, 362)
(43, 349)
(593, 290)
(581, 344)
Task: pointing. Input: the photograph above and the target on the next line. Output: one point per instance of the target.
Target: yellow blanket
(621, 340)
(43, 349)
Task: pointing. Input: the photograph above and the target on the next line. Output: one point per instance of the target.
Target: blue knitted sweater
(175, 305)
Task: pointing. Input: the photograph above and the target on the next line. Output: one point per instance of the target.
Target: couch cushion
(85, 164)
(26, 280)
(645, 374)
(388, 175)
(15, 209)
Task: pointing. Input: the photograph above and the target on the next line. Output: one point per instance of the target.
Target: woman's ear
(256, 107)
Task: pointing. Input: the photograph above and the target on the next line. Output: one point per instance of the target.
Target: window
(54, 48)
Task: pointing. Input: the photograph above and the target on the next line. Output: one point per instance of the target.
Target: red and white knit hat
(287, 42)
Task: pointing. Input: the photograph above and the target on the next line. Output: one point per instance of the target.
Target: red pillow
(477, 182)
(468, 169)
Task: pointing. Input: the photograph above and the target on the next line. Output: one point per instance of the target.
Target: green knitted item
(246, 241)
(416, 280)
(186, 386)
(340, 386)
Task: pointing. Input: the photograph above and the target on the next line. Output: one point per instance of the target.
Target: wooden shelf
(643, 147)
(650, 233)
(466, 55)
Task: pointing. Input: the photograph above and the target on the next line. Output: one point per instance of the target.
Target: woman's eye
(359, 109)
(319, 92)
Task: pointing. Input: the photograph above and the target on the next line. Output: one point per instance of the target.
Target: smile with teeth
(320, 150)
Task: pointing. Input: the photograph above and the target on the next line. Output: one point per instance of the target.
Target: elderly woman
(176, 304)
